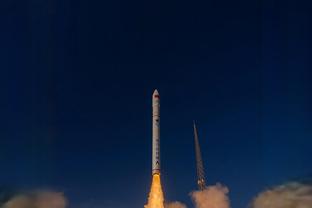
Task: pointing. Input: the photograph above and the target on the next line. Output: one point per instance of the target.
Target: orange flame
(156, 196)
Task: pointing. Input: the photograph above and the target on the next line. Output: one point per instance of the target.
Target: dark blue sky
(76, 96)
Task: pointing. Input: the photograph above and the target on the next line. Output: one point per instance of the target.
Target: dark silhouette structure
(199, 163)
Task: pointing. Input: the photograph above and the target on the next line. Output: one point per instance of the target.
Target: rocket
(156, 133)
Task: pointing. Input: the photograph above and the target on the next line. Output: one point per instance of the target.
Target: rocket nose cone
(156, 94)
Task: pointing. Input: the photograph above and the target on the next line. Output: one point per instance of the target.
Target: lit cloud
(290, 195)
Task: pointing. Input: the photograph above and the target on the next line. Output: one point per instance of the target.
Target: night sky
(77, 79)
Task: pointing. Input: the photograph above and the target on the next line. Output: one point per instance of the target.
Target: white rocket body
(156, 134)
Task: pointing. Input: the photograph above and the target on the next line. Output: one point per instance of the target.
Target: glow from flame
(156, 196)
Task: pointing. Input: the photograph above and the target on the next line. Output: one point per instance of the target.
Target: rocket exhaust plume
(156, 196)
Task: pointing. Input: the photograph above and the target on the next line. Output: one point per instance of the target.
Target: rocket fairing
(156, 134)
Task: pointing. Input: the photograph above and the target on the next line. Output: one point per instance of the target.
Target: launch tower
(199, 162)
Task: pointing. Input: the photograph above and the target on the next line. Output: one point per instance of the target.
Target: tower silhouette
(199, 162)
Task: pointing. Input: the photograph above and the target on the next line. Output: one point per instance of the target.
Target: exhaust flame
(156, 196)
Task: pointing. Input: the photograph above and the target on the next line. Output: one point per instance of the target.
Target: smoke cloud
(39, 199)
(291, 195)
(175, 205)
(212, 197)
(18, 202)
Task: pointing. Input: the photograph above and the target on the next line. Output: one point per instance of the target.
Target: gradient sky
(76, 85)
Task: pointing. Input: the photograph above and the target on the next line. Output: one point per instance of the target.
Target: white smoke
(39, 199)
(212, 197)
(175, 205)
(19, 201)
(291, 195)
(50, 200)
